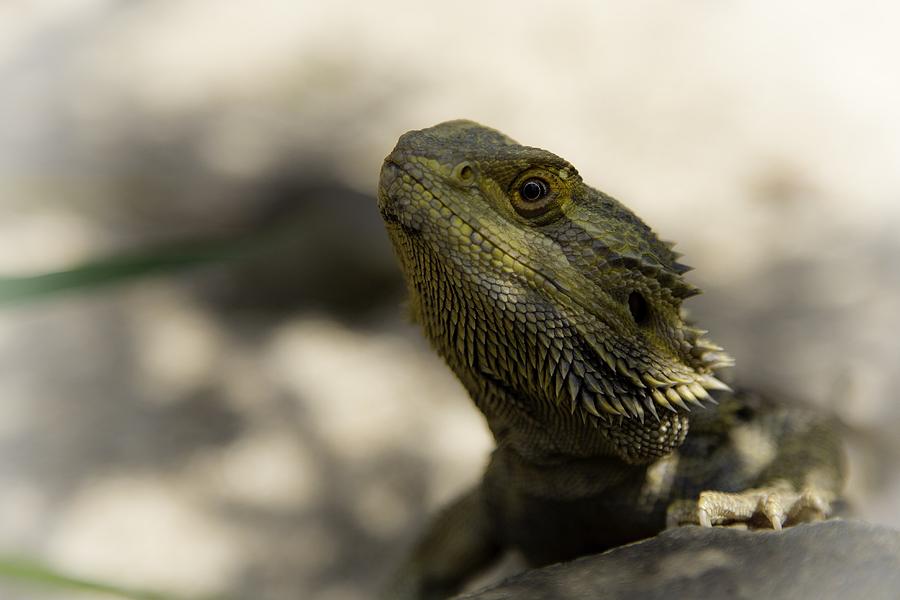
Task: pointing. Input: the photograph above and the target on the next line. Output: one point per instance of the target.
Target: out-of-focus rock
(323, 248)
(834, 559)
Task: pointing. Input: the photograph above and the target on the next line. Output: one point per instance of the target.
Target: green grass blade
(117, 269)
(33, 574)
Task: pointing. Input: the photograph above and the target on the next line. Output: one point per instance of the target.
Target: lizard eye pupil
(640, 310)
(534, 189)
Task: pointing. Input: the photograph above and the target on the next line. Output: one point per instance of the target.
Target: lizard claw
(774, 506)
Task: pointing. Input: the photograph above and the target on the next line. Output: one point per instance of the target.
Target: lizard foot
(773, 506)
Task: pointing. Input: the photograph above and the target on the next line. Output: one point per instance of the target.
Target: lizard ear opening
(640, 310)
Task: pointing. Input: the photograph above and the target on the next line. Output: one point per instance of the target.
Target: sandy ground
(275, 429)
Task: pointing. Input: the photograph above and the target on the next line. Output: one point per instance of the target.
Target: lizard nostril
(640, 310)
(464, 172)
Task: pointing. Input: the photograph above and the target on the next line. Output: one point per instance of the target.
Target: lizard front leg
(792, 465)
(458, 544)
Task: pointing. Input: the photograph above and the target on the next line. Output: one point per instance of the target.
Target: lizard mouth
(390, 172)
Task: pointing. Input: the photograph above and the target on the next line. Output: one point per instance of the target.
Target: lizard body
(560, 312)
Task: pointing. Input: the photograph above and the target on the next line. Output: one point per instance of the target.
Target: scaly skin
(560, 312)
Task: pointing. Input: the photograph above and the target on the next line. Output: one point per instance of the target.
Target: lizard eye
(536, 198)
(534, 189)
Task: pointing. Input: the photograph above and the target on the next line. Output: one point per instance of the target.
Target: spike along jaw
(522, 274)
(644, 366)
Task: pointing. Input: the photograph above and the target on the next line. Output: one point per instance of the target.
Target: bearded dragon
(560, 312)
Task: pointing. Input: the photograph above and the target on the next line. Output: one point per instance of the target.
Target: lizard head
(523, 275)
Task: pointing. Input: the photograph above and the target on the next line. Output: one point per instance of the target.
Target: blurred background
(208, 385)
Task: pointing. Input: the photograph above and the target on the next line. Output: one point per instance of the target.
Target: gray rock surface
(833, 559)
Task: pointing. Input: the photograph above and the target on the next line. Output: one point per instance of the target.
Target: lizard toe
(774, 507)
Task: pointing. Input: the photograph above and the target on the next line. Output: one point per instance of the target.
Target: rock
(832, 559)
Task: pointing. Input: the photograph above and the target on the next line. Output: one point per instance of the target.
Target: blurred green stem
(32, 574)
(116, 269)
